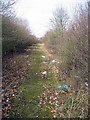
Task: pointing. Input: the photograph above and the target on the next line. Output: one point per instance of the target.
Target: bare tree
(59, 20)
(6, 7)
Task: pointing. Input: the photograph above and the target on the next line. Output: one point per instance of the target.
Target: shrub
(15, 35)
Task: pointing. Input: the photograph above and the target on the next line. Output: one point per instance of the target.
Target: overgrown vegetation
(70, 42)
(39, 96)
(16, 35)
(16, 38)
(33, 81)
(27, 103)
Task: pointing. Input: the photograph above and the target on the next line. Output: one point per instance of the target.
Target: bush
(71, 46)
(15, 35)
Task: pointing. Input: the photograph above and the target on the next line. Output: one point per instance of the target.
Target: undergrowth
(39, 97)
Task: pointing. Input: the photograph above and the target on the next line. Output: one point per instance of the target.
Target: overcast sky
(39, 12)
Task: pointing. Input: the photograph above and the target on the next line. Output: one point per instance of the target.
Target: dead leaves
(14, 73)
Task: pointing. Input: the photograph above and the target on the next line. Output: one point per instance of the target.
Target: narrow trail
(50, 57)
(47, 54)
(31, 91)
(37, 95)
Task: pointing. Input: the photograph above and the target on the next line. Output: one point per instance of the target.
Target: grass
(39, 98)
(26, 102)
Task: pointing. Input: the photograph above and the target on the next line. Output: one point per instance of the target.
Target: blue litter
(46, 62)
(63, 86)
(66, 87)
(59, 86)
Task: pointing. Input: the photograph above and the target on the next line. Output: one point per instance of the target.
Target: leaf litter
(55, 99)
(14, 73)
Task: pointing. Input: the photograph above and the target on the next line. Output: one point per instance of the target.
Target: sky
(39, 12)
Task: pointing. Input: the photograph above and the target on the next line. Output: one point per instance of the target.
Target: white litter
(43, 56)
(26, 56)
(7, 100)
(46, 62)
(13, 95)
(86, 83)
(44, 73)
(53, 61)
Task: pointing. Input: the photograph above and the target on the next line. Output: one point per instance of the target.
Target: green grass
(26, 102)
(31, 92)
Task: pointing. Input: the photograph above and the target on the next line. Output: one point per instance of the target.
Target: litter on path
(63, 86)
(46, 62)
(43, 56)
(53, 61)
(44, 73)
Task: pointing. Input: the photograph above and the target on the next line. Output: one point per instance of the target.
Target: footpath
(34, 90)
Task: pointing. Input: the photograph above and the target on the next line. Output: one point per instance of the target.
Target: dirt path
(32, 89)
(14, 73)
(51, 58)
(45, 51)
(38, 95)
